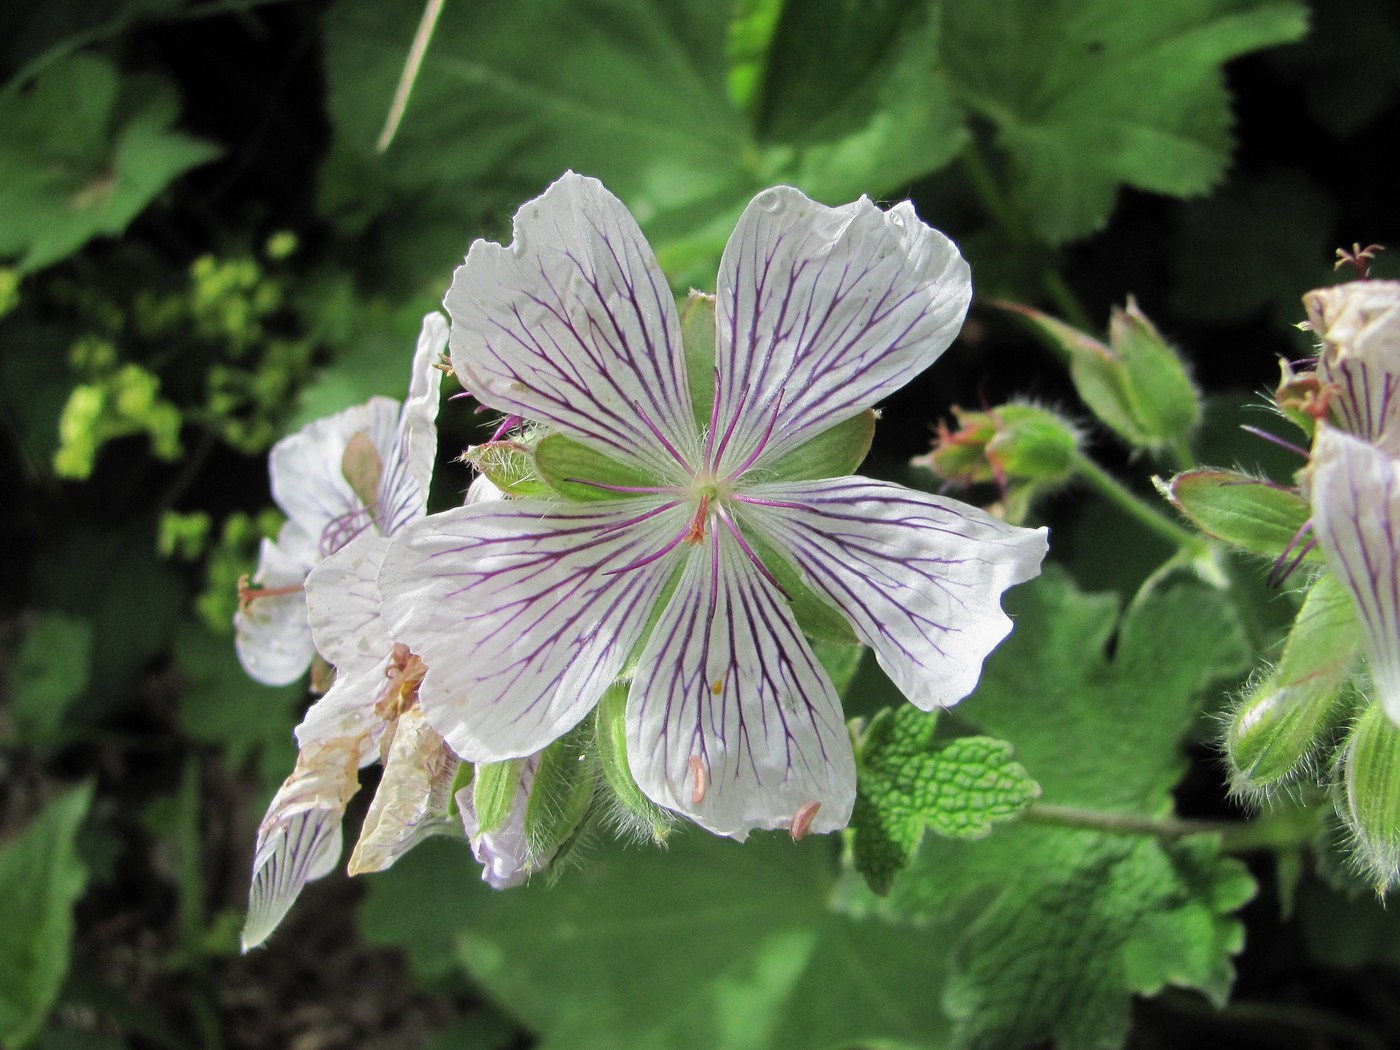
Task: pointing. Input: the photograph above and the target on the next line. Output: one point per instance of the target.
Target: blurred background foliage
(202, 246)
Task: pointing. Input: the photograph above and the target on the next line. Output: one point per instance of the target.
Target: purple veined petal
(574, 325)
(731, 720)
(347, 712)
(307, 481)
(919, 577)
(300, 837)
(504, 854)
(517, 610)
(272, 635)
(408, 465)
(825, 311)
(1367, 400)
(411, 803)
(342, 604)
(1355, 491)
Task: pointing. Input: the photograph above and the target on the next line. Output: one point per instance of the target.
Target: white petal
(408, 465)
(920, 577)
(300, 837)
(342, 602)
(411, 801)
(348, 711)
(504, 854)
(574, 325)
(519, 611)
(272, 635)
(728, 691)
(1356, 519)
(824, 311)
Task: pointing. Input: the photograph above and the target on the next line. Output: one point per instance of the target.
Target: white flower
(525, 611)
(1358, 324)
(325, 512)
(347, 483)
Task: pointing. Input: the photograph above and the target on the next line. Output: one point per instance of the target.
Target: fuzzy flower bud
(1371, 779)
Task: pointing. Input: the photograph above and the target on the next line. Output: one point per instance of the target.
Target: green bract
(1257, 516)
(1371, 779)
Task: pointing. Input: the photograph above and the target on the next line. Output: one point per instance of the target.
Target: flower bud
(637, 816)
(1023, 448)
(510, 466)
(561, 795)
(1280, 723)
(1371, 779)
(1137, 384)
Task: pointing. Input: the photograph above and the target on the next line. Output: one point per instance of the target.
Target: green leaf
(1255, 515)
(1062, 926)
(82, 153)
(563, 463)
(833, 453)
(707, 945)
(1090, 95)
(41, 877)
(50, 671)
(908, 784)
(634, 93)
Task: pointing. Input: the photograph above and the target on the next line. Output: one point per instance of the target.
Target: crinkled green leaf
(706, 945)
(81, 155)
(41, 877)
(634, 93)
(907, 784)
(1090, 95)
(1255, 515)
(1062, 926)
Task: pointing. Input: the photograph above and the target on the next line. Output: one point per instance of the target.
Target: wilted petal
(573, 325)
(272, 635)
(520, 611)
(504, 854)
(342, 603)
(307, 480)
(1359, 325)
(348, 711)
(411, 802)
(408, 465)
(1356, 519)
(299, 838)
(919, 577)
(824, 311)
(731, 720)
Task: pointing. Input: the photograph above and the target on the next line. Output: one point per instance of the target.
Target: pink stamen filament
(248, 594)
(749, 553)
(656, 432)
(762, 442)
(507, 425)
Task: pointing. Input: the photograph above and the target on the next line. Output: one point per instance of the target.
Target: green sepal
(563, 462)
(820, 621)
(561, 793)
(1253, 515)
(698, 339)
(510, 467)
(834, 453)
(464, 777)
(1280, 724)
(639, 816)
(493, 792)
(1371, 776)
(1161, 395)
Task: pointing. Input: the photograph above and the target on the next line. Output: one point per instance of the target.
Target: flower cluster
(679, 523)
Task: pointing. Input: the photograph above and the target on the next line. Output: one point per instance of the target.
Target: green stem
(1062, 295)
(1280, 830)
(993, 199)
(1116, 493)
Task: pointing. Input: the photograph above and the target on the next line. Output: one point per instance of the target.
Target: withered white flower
(694, 499)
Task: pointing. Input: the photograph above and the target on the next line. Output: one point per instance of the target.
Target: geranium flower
(365, 470)
(347, 483)
(526, 610)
